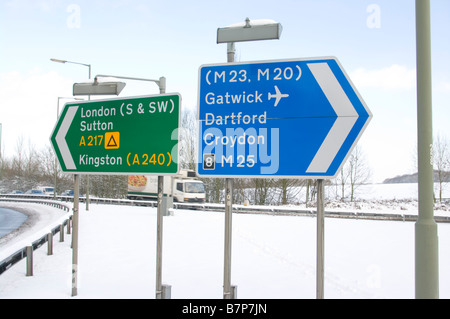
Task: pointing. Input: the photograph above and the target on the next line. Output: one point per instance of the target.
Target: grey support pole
(227, 293)
(426, 239)
(161, 292)
(320, 241)
(227, 289)
(76, 194)
(159, 237)
(230, 51)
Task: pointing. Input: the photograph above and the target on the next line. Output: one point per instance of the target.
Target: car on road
(34, 192)
(68, 192)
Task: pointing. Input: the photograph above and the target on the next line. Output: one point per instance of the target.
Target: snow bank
(41, 219)
(272, 257)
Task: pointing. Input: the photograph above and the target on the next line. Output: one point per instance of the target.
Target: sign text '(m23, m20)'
(262, 72)
(116, 135)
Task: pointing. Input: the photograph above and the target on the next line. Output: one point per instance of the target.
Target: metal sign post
(320, 241)
(159, 238)
(249, 31)
(227, 293)
(426, 237)
(75, 220)
(161, 292)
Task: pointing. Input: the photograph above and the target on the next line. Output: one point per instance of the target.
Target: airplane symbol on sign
(277, 96)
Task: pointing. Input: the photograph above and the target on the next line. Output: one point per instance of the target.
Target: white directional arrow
(346, 117)
(61, 137)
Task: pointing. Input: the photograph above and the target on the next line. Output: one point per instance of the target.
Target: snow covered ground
(272, 256)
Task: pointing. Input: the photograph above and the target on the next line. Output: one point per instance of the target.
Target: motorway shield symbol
(284, 118)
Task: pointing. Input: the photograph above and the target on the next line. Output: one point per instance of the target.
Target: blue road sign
(284, 118)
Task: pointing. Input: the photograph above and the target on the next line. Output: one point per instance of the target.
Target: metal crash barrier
(27, 251)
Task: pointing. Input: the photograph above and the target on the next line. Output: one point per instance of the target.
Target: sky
(374, 40)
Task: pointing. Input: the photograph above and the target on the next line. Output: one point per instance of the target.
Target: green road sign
(119, 136)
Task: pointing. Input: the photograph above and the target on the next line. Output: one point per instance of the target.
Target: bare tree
(289, 190)
(263, 190)
(3, 163)
(32, 162)
(214, 188)
(47, 161)
(342, 182)
(187, 141)
(354, 173)
(18, 158)
(110, 186)
(359, 171)
(441, 159)
(311, 191)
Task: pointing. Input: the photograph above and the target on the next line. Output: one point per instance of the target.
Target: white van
(47, 190)
(184, 187)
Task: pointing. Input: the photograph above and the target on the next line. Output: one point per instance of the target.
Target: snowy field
(272, 256)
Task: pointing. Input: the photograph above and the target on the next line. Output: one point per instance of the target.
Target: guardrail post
(29, 250)
(68, 226)
(50, 243)
(166, 291)
(61, 232)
